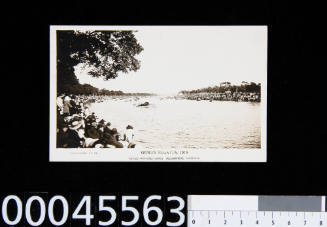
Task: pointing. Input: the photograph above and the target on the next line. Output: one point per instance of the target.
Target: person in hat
(86, 112)
(101, 123)
(129, 136)
(73, 106)
(60, 102)
(100, 129)
(75, 124)
(102, 138)
(60, 120)
(89, 121)
(66, 106)
(107, 128)
(111, 139)
(115, 134)
(77, 118)
(68, 137)
(92, 131)
(91, 118)
(62, 135)
(76, 136)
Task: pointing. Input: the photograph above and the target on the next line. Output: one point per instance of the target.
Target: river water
(169, 123)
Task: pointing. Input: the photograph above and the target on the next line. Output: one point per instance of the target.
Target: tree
(252, 87)
(106, 52)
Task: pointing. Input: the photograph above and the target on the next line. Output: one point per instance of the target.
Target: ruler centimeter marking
(260, 211)
(256, 218)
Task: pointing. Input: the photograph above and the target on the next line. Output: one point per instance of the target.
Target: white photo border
(148, 155)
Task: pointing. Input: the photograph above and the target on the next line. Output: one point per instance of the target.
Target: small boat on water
(144, 104)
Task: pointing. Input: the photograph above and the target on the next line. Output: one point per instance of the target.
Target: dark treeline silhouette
(250, 88)
(86, 89)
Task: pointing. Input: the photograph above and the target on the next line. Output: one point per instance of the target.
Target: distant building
(225, 84)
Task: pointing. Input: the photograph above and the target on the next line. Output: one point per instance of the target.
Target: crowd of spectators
(78, 128)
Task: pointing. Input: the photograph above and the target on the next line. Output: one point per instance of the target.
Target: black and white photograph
(171, 115)
(158, 93)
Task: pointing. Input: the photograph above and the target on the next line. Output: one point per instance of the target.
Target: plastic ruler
(256, 211)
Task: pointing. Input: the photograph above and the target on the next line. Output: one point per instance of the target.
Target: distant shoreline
(234, 97)
(226, 96)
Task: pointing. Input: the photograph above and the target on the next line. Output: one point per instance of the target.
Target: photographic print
(158, 93)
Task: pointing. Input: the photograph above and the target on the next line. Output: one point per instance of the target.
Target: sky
(184, 58)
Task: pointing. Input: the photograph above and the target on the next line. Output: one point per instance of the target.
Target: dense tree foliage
(86, 89)
(106, 52)
(252, 87)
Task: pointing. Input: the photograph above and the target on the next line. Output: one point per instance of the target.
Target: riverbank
(78, 128)
(225, 96)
